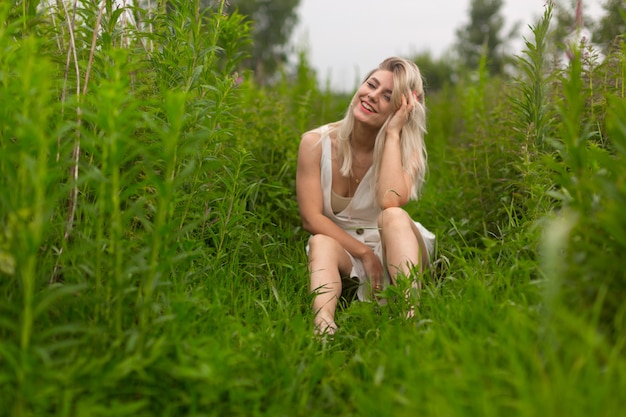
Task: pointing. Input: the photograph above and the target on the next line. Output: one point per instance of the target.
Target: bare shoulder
(309, 156)
(311, 137)
(310, 143)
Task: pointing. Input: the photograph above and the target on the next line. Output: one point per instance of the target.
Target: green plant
(152, 182)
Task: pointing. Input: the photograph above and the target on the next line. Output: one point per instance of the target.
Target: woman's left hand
(401, 116)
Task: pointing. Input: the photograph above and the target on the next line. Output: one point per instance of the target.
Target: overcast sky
(347, 38)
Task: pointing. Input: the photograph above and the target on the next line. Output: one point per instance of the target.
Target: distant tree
(272, 24)
(612, 24)
(436, 72)
(483, 34)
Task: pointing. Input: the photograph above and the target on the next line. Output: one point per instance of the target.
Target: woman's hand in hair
(401, 116)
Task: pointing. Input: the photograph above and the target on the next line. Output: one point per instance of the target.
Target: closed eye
(373, 84)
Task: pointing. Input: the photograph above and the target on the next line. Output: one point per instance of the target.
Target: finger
(404, 101)
(409, 108)
(374, 276)
(377, 281)
(405, 106)
(407, 101)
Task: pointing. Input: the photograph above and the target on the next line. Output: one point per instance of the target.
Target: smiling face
(371, 104)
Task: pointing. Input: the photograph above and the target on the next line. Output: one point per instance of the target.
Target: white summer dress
(360, 217)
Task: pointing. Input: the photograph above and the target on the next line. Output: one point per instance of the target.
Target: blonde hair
(406, 80)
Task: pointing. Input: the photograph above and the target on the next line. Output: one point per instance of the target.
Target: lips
(367, 107)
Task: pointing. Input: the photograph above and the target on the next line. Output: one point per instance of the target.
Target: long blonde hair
(406, 80)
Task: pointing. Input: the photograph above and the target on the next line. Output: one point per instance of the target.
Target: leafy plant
(152, 261)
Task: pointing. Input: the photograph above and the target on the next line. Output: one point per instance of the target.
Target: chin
(368, 121)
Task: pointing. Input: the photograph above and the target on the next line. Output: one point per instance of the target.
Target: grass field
(152, 261)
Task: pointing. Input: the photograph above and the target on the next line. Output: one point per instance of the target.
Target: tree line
(485, 34)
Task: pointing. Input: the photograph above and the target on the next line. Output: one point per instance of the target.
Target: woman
(353, 178)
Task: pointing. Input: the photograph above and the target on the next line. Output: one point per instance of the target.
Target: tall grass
(152, 263)
(589, 172)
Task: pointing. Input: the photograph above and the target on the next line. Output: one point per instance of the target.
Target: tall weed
(590, 180)
(149, 190)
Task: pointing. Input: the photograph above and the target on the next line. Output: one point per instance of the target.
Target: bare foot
(324, 326)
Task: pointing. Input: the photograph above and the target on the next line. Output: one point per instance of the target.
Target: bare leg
(401, 243)
(327, 261)
(402, 247)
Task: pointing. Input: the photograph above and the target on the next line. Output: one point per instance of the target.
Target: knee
(393, 217)
(321, 243)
